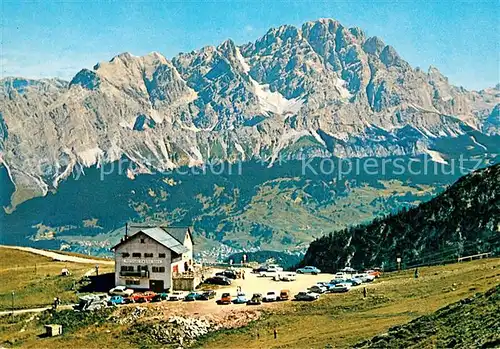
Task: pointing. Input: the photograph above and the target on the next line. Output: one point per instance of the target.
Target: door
(156, 285)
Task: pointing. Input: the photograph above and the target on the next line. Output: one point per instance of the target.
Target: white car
(342, 276)
(176, 296)
(285, 276)
(364, 277)
(274, 267)
(271, 296)
(290, 276)
(340, 288)
(318, 289)
(121, 291)
(269, 273)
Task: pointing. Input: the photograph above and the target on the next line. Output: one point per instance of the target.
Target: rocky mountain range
(319, 91)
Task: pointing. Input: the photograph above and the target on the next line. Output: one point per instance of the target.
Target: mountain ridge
(228, 103)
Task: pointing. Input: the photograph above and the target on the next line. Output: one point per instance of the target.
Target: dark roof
(172, 239)
(178, 232)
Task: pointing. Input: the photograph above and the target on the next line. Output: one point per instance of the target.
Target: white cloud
(248, 28)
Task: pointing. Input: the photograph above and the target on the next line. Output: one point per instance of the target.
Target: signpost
(13, 306)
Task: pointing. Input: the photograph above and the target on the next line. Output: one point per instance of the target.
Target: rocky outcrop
(233, 103)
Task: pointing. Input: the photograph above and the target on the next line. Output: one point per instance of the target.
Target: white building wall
(134, 245)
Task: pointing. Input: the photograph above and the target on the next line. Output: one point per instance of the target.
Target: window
(158, 269)
(161, 255)
(148, 255)
(127, 268)
(125, 254)
(132, 282)
(143, 241)
(136, 254)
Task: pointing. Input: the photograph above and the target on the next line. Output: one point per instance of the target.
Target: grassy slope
(36, 279)
(471, 322)
(343, 320)
(336, 320)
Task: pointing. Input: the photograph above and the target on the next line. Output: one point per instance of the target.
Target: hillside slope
(470, 323)
(465, 219)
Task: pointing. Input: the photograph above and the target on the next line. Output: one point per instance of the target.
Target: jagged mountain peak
(317, 79)
(373, 45)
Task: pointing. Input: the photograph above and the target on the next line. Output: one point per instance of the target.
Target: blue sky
(58, 38)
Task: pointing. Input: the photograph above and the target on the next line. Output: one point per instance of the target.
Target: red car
(143, 297)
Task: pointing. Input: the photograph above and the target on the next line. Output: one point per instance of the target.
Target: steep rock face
(354, 95)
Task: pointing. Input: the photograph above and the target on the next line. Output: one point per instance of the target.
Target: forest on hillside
(463, 220)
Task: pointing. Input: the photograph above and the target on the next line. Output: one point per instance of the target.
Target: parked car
(218, 280)
(176, 296)
(206, 295)
(306, 296)
(355, 281)
(160, 297)
(231, 274)
(255, 300)
(272, 271)
(340, 288)
(192, 296)
(225, 299)
(375, 272)
(284, 295)
(368, 278)
(241, 298)
(271, 296)
(364, 277)
(91, 302)
(275, 267)
(318, 289)
(259, 269)
(136, 297)
(146, 297)
(128, 300)
(340, 275)
(308, 270)
(121, 291)
(285, 276)
(115, 300)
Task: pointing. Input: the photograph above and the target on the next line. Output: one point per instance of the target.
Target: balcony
(140, 274)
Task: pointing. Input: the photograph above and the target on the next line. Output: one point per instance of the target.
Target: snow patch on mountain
(340, 85)
(90, 156)
(239, 148)
(477, 143)
(436, 156)
(270, 101)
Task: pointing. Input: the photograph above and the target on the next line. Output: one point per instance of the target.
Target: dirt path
(59, 256)
(34, 310)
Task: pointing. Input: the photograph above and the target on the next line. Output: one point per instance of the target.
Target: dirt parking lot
(253, 283)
